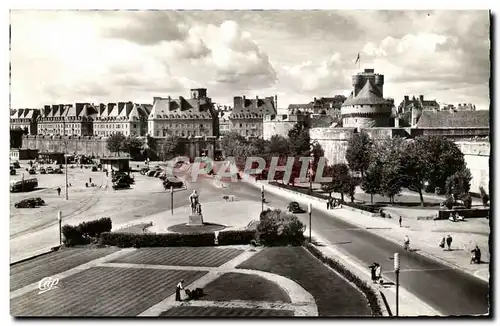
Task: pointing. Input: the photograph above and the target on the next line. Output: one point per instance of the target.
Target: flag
(357, 59)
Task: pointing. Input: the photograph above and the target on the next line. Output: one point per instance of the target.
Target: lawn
(334, 296)
(236, 286)
(180, 256)
(187, 311)
(31, 271)
(103, 291)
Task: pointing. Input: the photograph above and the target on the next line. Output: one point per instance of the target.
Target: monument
(196, 218)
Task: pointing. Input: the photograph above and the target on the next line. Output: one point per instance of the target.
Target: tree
(370, 184)
(458, 184)
(299, 140)
(444, 159)
(415, 167)
(132, 145)
(169, 147)
(341, 180)
(350, 188)
(114, 143)
(484, 196)
(277, 145)
(231, 142)
(388, 155)
(359, 152)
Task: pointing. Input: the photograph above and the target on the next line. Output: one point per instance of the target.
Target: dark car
(144, 171)
(151, 173)
(16, 165)
(295, 208)
(118, 175)
(50, 170)
(32, 171)
(121, 184)
(12, 171)
(94, 168)
(58, 171)
(158, 173)
(172, 182)
(42, 170)
(30, 203)
(124, 178)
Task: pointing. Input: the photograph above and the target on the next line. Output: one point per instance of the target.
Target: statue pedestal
(195, 219)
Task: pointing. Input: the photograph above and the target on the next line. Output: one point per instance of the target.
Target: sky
(109, 56)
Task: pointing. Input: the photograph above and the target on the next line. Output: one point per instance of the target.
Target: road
(448, 290)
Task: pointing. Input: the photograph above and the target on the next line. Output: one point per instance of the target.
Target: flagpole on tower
(358, 61)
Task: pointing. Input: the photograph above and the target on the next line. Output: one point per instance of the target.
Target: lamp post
(262, 197)
(396, 269)
(172, 199)
(311, 161)
(59, 218)
(66, 161)
(309, 210)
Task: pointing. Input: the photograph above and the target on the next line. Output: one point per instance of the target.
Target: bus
(23, 185)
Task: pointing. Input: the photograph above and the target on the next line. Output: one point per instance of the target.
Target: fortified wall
(476, 152)
(96, 146)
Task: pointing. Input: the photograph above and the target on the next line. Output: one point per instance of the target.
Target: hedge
(73, 236)
(85, 231)
(368, 208)
(233, 237)
(124, 240)
(362, 285)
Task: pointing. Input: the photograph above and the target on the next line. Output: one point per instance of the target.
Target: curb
(53, 249)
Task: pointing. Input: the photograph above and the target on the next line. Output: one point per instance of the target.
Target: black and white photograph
(250, 163)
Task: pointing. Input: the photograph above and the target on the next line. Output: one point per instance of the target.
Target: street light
(309, 210)
(172, 199)
(396, 269)
(311, 161)
(262, 197)
(66, 161)
(59, 218)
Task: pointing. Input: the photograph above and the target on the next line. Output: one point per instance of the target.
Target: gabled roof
(368, 95)
(459, 119)
(257, 106)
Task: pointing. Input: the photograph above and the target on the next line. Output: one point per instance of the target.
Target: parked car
(58, 171)
(123, 178)
(121, 184)
(295, 208)
(32, 171)
(118, 175)
(151, 173)
(30, 203)
(12, 171)
(50, 170)
(16, 165)
(42, 170)
(94, 168)
(144, 171)
(172, 182)
(157, 174)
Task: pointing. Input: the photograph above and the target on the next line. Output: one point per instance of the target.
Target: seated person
(476, 255)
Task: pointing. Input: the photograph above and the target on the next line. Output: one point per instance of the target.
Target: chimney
(256, 102)
(396, 122)
(407, 98)
(244, 103)
(237, 101)
(421, 97)
(276, 101)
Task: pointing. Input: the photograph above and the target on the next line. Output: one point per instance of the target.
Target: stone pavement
(302, 303)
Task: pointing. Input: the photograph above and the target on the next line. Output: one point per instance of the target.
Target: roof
(459, 119)
(182, 108)
(368, 95)
(300, 106)
(322, 121)
(259, 106)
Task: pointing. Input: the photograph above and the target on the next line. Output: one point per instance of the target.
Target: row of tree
(135, 147)
(428, 163)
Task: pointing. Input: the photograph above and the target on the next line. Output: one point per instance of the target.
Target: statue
(194, 200)
(198, 208)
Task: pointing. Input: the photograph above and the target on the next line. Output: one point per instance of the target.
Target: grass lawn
(187, 311)
(34, 270)
(103, 291)
(236, 286)
(180, 256)
(206, 227)
(136, 229)
(334, 296)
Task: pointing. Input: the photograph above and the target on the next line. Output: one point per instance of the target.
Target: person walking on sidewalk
(449, 239)
(59, 191)
(373, 272)
(400, 221)
(378, 273)
(407, 243)
(443, 241)
(178, 289)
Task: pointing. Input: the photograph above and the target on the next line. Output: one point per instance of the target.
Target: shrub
(236, 237)
(467, 199)
(124, 240)
(363, 286)
(92, 229)
(449, 202)
(484, 196)
(72, 236)
(279, 228)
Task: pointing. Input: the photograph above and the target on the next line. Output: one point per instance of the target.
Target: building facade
(366, 106)
(411, 109)
(194, 117)
(324, 105)
(247, 117)
(127, 118)
(25, 120)
(67, 119)
(281, 124)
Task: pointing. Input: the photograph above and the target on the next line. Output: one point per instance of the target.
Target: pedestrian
(441, 244)
(59, 191)
(178, 289)
(106, 173)
(373, 272)
(449, 239)
(400, 221)
(90, 180)
(378, 273)
(407, 243)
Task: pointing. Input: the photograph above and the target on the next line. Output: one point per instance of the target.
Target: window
(135, 125)
(241, 125)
